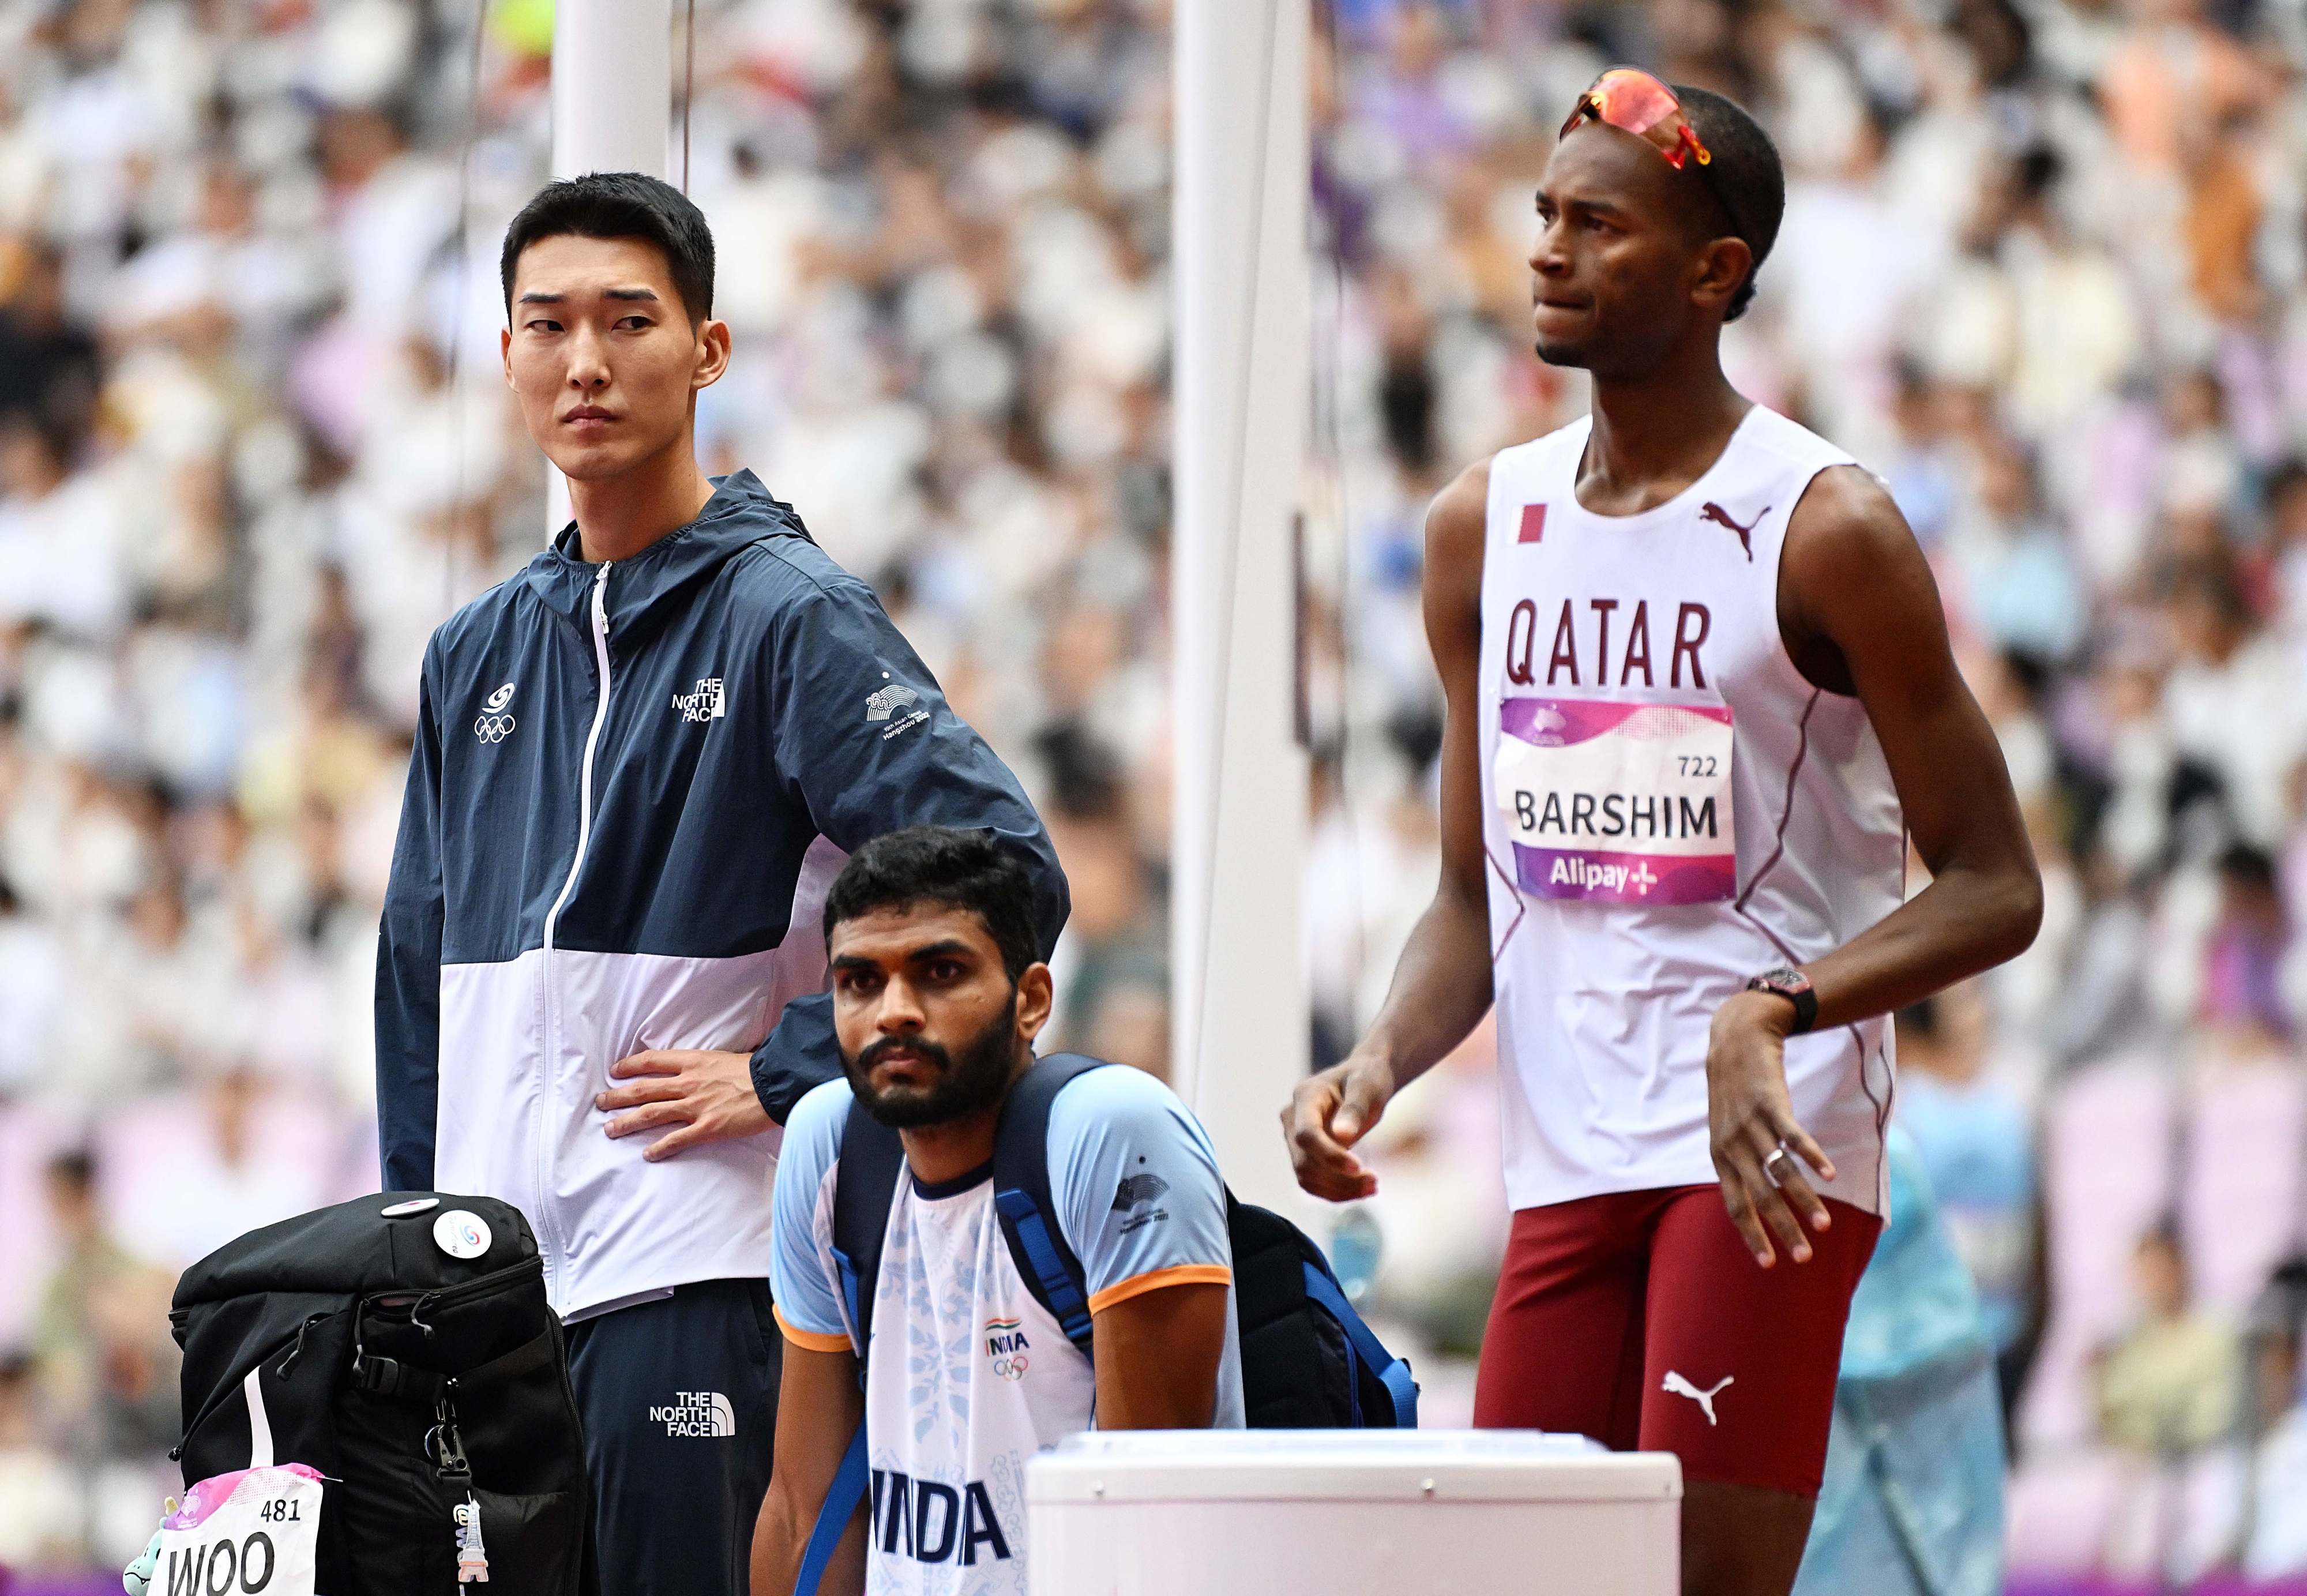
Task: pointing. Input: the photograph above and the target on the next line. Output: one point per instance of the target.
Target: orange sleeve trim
(809, 1341)
(1137, 1285)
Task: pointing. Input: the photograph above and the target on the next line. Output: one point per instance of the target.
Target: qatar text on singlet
(1669, 807)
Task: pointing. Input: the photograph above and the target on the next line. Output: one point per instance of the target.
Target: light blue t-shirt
(969, 1376)
(1977, 1146)
(1911, 1500)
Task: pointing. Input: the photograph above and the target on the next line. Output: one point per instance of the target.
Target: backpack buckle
(390, 1376)
(379, 1376)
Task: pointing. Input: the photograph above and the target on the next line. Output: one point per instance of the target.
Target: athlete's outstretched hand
(705, 1096)
(1327, 1114)
(1751, 1117)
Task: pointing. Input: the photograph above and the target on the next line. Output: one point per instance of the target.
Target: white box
(1351, 1513)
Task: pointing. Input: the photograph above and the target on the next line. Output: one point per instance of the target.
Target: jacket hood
(739, 514)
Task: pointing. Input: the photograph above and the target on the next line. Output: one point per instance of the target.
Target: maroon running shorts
(1641, 1319)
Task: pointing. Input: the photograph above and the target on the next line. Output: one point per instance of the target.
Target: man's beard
(975, 1079)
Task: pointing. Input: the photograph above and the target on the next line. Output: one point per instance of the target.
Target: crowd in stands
(2043, 267)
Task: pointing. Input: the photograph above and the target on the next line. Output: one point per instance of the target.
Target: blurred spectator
(104, 1357)
(2173, 78)
(1976, 1142)
(49, 374)
(1109, 962)
(40, 1524)
(1441, 1206)
(2244, 961)
(2013, 566)
(1921, 468)
(1912, 1495)
(2170, 1385)
(31, 995)
(57, 532)
(2278, 1546)
(2230, 703)
(2272, 1347)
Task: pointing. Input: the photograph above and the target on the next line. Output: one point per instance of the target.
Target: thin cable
(464, 296)
(1332, 416)
(688, 84)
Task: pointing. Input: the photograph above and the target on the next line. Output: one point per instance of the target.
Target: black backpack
(1308, 1360)
(413, 1379)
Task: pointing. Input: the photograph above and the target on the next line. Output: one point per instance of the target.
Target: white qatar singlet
(1669, 808)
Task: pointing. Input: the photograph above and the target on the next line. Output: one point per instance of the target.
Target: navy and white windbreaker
(632, 785)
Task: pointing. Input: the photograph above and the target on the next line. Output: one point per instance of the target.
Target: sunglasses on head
(1631, 100)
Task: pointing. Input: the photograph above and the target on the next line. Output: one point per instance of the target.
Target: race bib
(1617, 802)
(242, 1534)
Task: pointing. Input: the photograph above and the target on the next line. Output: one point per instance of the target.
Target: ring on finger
(1770, 1171)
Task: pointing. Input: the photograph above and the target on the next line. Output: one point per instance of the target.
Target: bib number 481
(250, 1534)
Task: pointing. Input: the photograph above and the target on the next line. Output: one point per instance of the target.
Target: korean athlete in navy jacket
(639, 765)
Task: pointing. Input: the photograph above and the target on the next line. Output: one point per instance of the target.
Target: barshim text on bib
(1618, 801)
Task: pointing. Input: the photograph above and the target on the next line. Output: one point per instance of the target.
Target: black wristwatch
(1794, 986)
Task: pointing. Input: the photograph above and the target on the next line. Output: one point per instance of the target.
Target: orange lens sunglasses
(1631, 99)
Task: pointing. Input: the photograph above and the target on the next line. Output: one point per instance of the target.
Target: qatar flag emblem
(1534, 523)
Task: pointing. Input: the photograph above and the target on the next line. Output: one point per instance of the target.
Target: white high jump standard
(1351, 1513)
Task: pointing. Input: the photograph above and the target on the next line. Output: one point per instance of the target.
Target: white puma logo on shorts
(1680, 1387)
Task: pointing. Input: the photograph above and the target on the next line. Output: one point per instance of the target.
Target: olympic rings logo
(494, 728)
(1012, 1367)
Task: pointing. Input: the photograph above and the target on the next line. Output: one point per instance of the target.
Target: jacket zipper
(541, 1215)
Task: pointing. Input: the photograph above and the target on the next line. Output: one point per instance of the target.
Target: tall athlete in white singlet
(1671, 808)
(1699, 694)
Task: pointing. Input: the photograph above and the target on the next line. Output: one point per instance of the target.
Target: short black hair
(621, 205)
(1745, 177)
(939, 864)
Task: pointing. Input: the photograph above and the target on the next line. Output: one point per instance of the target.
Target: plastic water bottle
(1356, 1244)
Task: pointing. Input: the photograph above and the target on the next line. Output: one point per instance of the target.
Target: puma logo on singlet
(1714, 513)
(1679, 1386)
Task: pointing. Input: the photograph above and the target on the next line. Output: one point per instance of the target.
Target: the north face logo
(1137, 1189)
(888, 701)
(703, 1414)
(706, 701)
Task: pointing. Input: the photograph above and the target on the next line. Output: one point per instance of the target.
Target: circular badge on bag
(460, 1234)
(412, 1205)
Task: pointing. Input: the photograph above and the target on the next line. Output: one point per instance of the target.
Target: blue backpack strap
(840, 1499)
(864, 1187)
(1393, 1372)
(1021, 1192)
